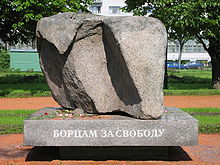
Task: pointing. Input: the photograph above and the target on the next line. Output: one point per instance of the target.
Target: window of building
(177, 48)
(114, 10)
(195, 48)
(95, 9)
(190, 49)
(171, 49)
(200, 49)
(187, 48)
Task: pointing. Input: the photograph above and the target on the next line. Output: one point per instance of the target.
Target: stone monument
(102, 66)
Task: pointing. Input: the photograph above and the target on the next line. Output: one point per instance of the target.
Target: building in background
(192, 50)
(25, 60)
(109, 8)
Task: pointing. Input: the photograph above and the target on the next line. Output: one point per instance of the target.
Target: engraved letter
(63, 133)
(104, 133)
(125, 133)
(161, 132)
(55, 133)
(140, 133)
(132, 133)
(69, 133)
(118, 133)
(92, 133)
(146, 133)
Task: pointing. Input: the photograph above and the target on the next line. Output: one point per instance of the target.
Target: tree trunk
(180, 55)
(6, 46)
(214, 52)
(165, 83)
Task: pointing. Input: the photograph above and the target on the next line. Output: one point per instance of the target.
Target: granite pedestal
(174, 128)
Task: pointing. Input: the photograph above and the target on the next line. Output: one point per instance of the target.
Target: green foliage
(193, 16)
(25, 90)
(19, 17)
(189, 80)
(4, 60)
(190, 86)
(21, 78)
(23, 84)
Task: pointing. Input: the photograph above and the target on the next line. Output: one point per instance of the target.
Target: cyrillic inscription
(108, 133)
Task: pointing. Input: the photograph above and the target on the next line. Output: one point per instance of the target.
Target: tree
(198, 18)
(179, 39)
(18, 18)
(176, 32)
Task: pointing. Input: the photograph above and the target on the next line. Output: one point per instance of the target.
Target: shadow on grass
(22, 78)
(108, 153)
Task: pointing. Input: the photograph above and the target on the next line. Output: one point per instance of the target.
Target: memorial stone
(104, 64)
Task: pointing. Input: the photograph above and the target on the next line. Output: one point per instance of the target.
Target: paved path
(169, 101)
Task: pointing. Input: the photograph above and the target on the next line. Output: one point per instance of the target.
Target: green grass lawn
(33, 84)
(209, 123)
(206, 74)
(190, 82)
(23, 84)
(11, 121)
(201, 110)
(24, 90)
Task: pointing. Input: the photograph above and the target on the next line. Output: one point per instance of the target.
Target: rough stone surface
(104, 64)
(174, 128)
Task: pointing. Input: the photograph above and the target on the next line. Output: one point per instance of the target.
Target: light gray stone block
(174, 128)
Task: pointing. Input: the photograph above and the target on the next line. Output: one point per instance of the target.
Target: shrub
(4, 60)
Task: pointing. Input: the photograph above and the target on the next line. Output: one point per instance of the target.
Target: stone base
(174, 128)
(113, 153)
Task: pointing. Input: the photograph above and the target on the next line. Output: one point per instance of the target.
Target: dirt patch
(27, 103)
(192, 101)
(169, 101)
(12, 152)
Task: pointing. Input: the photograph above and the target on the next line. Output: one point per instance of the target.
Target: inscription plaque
(174, 128)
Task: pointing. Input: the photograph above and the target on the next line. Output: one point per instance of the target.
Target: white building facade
(108, 7)
(192, 51)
